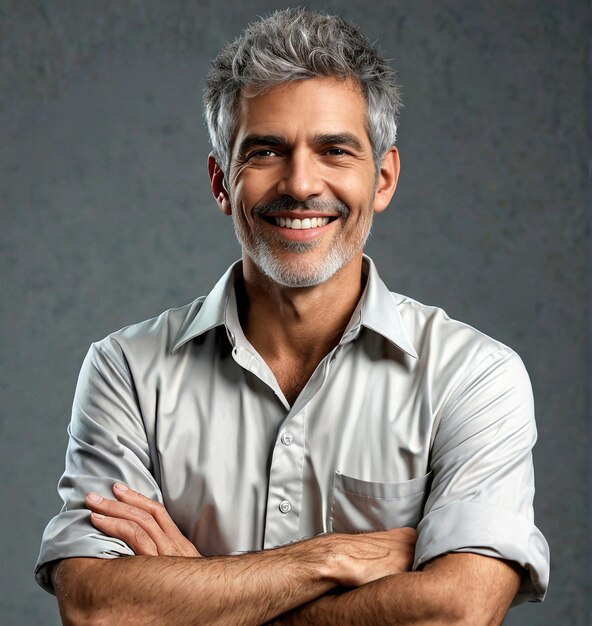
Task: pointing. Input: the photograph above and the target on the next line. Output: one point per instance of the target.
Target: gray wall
(106, 218)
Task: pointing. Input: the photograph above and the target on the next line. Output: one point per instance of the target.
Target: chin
(300, 273)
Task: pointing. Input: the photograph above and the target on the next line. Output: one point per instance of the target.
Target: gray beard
(297, 276)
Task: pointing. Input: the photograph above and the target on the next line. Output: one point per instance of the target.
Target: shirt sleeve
(483, 480)
(107, 443)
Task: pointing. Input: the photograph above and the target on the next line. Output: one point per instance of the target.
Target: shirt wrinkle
(475, 371)
(161, 407)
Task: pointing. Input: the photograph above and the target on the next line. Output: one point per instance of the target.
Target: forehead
(304, 107)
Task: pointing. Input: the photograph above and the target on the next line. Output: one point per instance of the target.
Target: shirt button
(285, 506)
(287, 439)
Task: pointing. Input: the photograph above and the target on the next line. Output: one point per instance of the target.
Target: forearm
(168, 581)
(398, 599)
(455, 589)
(247, 589)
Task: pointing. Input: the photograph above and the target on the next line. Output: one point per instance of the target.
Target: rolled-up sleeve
(107, 443)
(483, 481)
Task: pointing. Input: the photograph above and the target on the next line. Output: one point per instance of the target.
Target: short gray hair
(296, 44)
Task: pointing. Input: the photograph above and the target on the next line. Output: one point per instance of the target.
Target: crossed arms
(330, 579)
(479, 501)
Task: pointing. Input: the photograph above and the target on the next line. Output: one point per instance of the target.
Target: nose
(301, 178)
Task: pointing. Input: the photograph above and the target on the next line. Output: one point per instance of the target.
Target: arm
(479, 507)
(452, 589)
(170, 583)
(373, 567)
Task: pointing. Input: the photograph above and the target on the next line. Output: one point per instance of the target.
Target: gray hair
(296, 44)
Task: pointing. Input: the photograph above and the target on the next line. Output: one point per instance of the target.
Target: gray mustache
(289, 204)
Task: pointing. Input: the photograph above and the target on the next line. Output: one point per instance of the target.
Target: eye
(264, 153)
(336, 152)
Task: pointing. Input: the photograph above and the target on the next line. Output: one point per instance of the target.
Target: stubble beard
(262, 249)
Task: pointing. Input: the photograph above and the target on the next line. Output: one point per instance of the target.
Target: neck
(297, 324)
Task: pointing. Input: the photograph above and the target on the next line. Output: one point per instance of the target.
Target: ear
(387, 179)
(218, 186)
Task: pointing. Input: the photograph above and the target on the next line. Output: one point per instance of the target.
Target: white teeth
(304, 224)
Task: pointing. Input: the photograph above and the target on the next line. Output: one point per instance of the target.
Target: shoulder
(434, 333)
(148, 339)
(456, 357)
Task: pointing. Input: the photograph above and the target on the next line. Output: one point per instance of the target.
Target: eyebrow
(342, 139)
(261, 140)
(320, 139)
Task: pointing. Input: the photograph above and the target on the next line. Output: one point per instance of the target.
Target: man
(265, 453)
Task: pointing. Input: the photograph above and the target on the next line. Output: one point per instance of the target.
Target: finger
(126, 530)
(405, 533)
(139, 517)
(124, 494)
(160, 514)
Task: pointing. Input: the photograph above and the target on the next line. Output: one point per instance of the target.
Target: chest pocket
(358, 505)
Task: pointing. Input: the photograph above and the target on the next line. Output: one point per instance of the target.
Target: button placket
(285, 484)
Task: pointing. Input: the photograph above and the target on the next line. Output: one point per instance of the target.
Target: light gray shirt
(413, 419)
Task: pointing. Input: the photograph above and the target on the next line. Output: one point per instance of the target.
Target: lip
(300, 215)
(293, 234)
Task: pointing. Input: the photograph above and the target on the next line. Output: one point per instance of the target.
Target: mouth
(306, 223)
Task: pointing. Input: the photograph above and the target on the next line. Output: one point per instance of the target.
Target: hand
(364, 557)
(358, 559)
(142, 523)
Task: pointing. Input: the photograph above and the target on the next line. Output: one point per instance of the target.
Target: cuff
(70, 534)
(490, 530)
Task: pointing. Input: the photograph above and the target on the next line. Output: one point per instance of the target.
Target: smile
(305, 224)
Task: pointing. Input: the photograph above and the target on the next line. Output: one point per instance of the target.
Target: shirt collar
(214, 309)
(377, 310)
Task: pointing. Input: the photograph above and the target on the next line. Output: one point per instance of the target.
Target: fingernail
(97, 515)
(94, 497)
(120, 487)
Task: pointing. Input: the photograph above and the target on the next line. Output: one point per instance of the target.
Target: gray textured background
(107, 219)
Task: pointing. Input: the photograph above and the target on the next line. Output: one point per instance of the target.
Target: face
(302, 185)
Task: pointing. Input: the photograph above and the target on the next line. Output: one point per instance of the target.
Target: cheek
(354, 187)
(239, 200)
(255, 181)
(249, 190)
